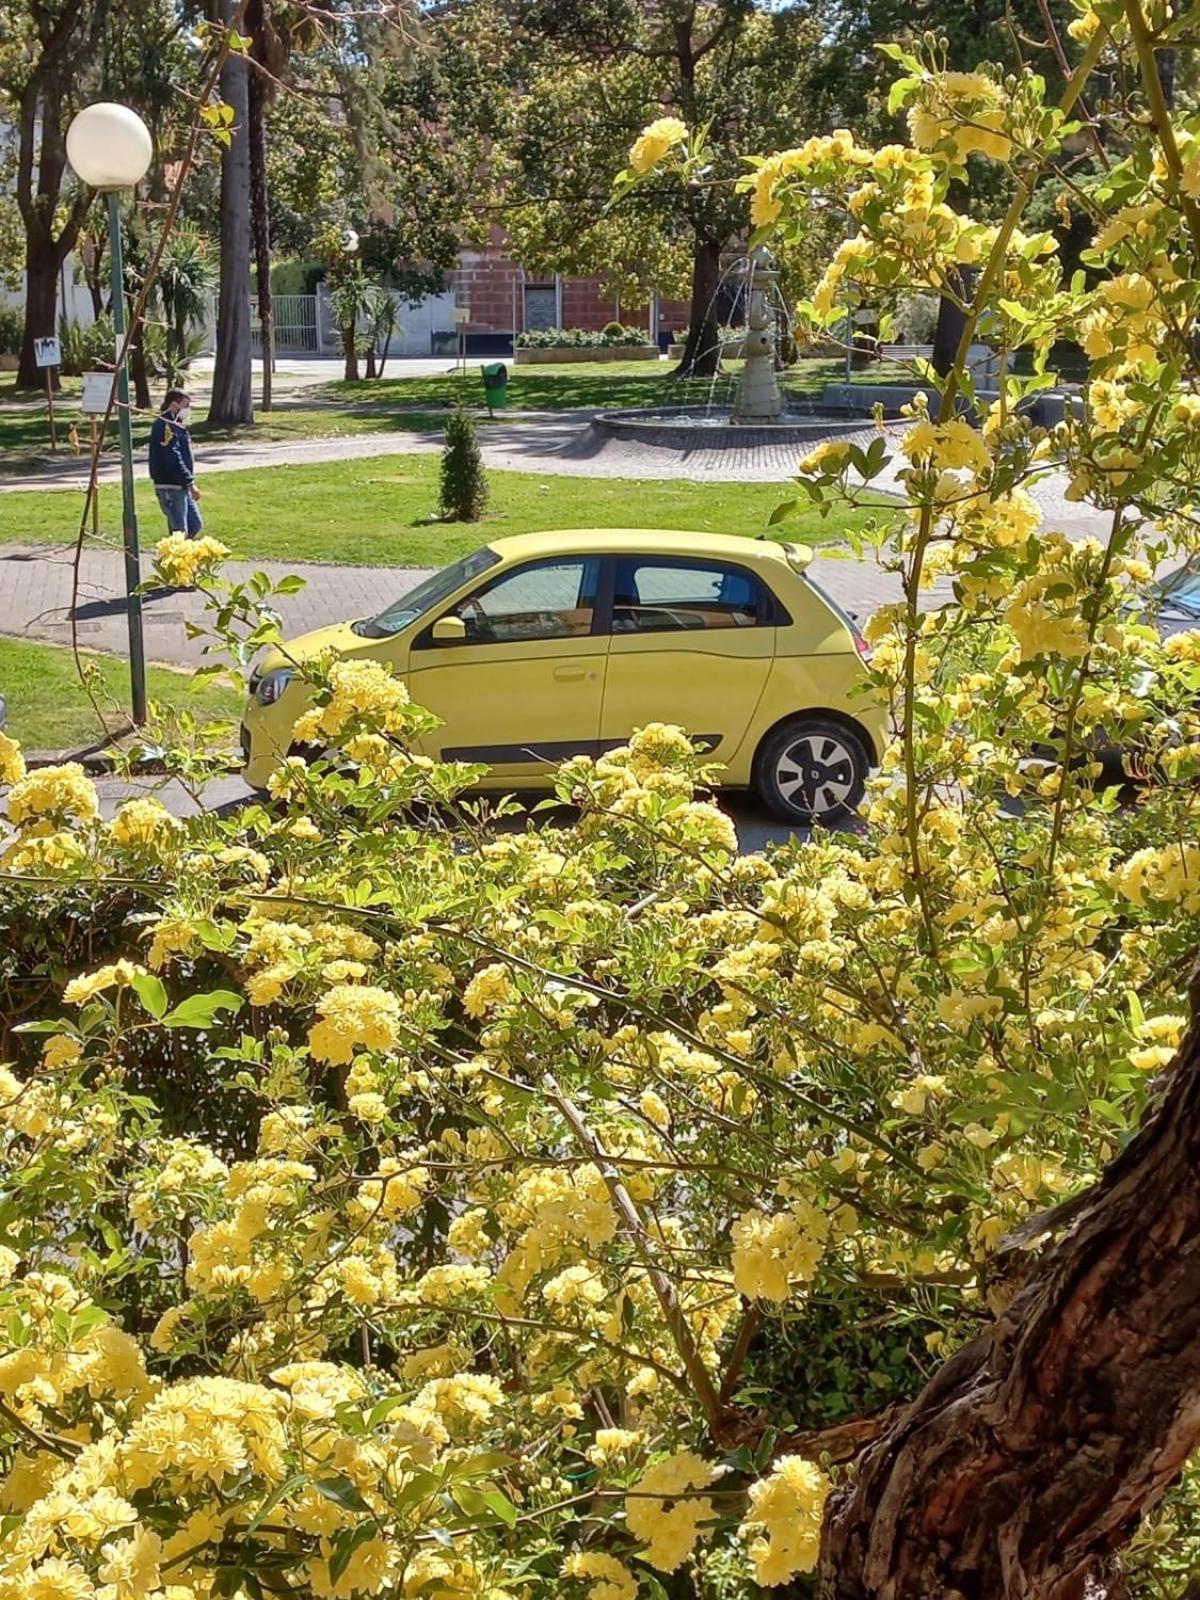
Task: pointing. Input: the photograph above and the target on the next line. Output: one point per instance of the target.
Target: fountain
(760, 412)
(756, 398)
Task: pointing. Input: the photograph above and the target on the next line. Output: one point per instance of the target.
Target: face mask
(184, 417)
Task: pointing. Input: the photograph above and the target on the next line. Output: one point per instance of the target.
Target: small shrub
(12, 328)
(613, 333)
(86, 349)
(464, 483)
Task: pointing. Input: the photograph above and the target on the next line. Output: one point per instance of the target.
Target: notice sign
(462, 315)
(47, 353)
(97, 386)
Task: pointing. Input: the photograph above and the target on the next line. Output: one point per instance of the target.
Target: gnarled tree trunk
(1031, 1456)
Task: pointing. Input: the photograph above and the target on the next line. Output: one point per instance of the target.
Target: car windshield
(1180, 590)
(436, 588)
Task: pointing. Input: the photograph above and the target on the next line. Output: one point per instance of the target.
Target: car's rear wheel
(812, 769)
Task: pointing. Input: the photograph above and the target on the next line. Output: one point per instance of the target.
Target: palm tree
(186, 279)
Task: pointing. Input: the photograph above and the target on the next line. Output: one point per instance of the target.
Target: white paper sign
(47, 353)
(462, 315)
(96, 389)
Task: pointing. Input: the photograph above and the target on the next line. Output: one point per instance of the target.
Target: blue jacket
(170, 453)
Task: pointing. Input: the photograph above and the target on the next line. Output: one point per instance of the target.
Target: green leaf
(292, 584)
(151, 991)
(786, 508)
(296, 1481)
(344, 1546)
(342, 1492)
(202, 1010)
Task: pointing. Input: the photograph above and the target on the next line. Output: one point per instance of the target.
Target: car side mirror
(449, 630)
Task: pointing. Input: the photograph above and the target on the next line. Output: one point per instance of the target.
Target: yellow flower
(654, 142)
(131, 1567)
(662, 1514)
(64, 791)
(788, 1508)
(60, 1051)
(352, 1015)
(182, 560)
(12, 763)
(616, 1582)
(831, 456)
(117, 975)
(770, 1252)
(141, 821)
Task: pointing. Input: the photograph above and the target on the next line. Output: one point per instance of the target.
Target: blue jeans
(181, 511)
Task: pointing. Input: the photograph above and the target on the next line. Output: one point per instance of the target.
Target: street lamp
(110, 149)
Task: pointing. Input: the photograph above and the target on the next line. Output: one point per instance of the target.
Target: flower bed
(545, 355)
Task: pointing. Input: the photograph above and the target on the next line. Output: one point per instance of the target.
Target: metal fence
(297, 328)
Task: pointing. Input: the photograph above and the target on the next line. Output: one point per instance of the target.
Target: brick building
(503, 298)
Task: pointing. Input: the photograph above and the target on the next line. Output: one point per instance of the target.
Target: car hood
(338, 639)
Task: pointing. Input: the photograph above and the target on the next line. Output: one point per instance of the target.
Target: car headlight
(272, 684)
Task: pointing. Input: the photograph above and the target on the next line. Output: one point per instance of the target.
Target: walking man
(171, 467)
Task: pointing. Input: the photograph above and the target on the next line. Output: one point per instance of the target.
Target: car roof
(637, 541)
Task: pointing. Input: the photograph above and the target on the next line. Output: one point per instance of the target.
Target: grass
(48, 708)
(370, 511)
(612, 385)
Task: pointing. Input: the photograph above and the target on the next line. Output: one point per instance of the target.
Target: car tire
(812, 769)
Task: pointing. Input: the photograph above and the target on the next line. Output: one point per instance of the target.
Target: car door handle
(570, 674)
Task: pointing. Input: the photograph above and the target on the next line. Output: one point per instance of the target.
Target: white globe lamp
(109, 146)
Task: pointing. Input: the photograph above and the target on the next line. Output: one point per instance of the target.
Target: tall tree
(47, 62)
(232, 400)
(573, 86)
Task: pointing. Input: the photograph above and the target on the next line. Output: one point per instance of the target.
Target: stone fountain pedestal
(757, 398)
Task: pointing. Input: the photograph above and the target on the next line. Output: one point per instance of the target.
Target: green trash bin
(495, 384)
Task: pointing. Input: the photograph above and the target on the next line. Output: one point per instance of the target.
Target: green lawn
(49, 710)
(614, 384)
(370, 511)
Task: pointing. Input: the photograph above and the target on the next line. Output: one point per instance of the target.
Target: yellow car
(550, 645)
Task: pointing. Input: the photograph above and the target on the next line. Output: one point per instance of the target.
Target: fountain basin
(712, 427)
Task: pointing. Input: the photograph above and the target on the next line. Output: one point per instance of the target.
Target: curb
(103, 764)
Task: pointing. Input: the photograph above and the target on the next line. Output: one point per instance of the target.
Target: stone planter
(569, 354)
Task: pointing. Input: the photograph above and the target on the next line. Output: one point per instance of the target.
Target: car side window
(673, 596)
(548, 600)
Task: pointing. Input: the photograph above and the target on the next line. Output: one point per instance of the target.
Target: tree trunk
(137, 367)
(950, 323)
(261, 224)
(232, 400)
(350, 351)
(42, 262)
(1033, 1454)
(702, 353)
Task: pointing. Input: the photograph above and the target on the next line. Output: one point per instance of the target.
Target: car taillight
(861, 645)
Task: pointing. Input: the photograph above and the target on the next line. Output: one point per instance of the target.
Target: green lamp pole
(110, 149)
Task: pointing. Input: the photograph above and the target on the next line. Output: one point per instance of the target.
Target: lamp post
(110, 149)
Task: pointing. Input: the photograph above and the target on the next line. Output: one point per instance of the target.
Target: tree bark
(950, 324)
(1031, 1457)
(42, 262)
(232, 399)
(260, 215)
(350, 351)
(702, 352)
